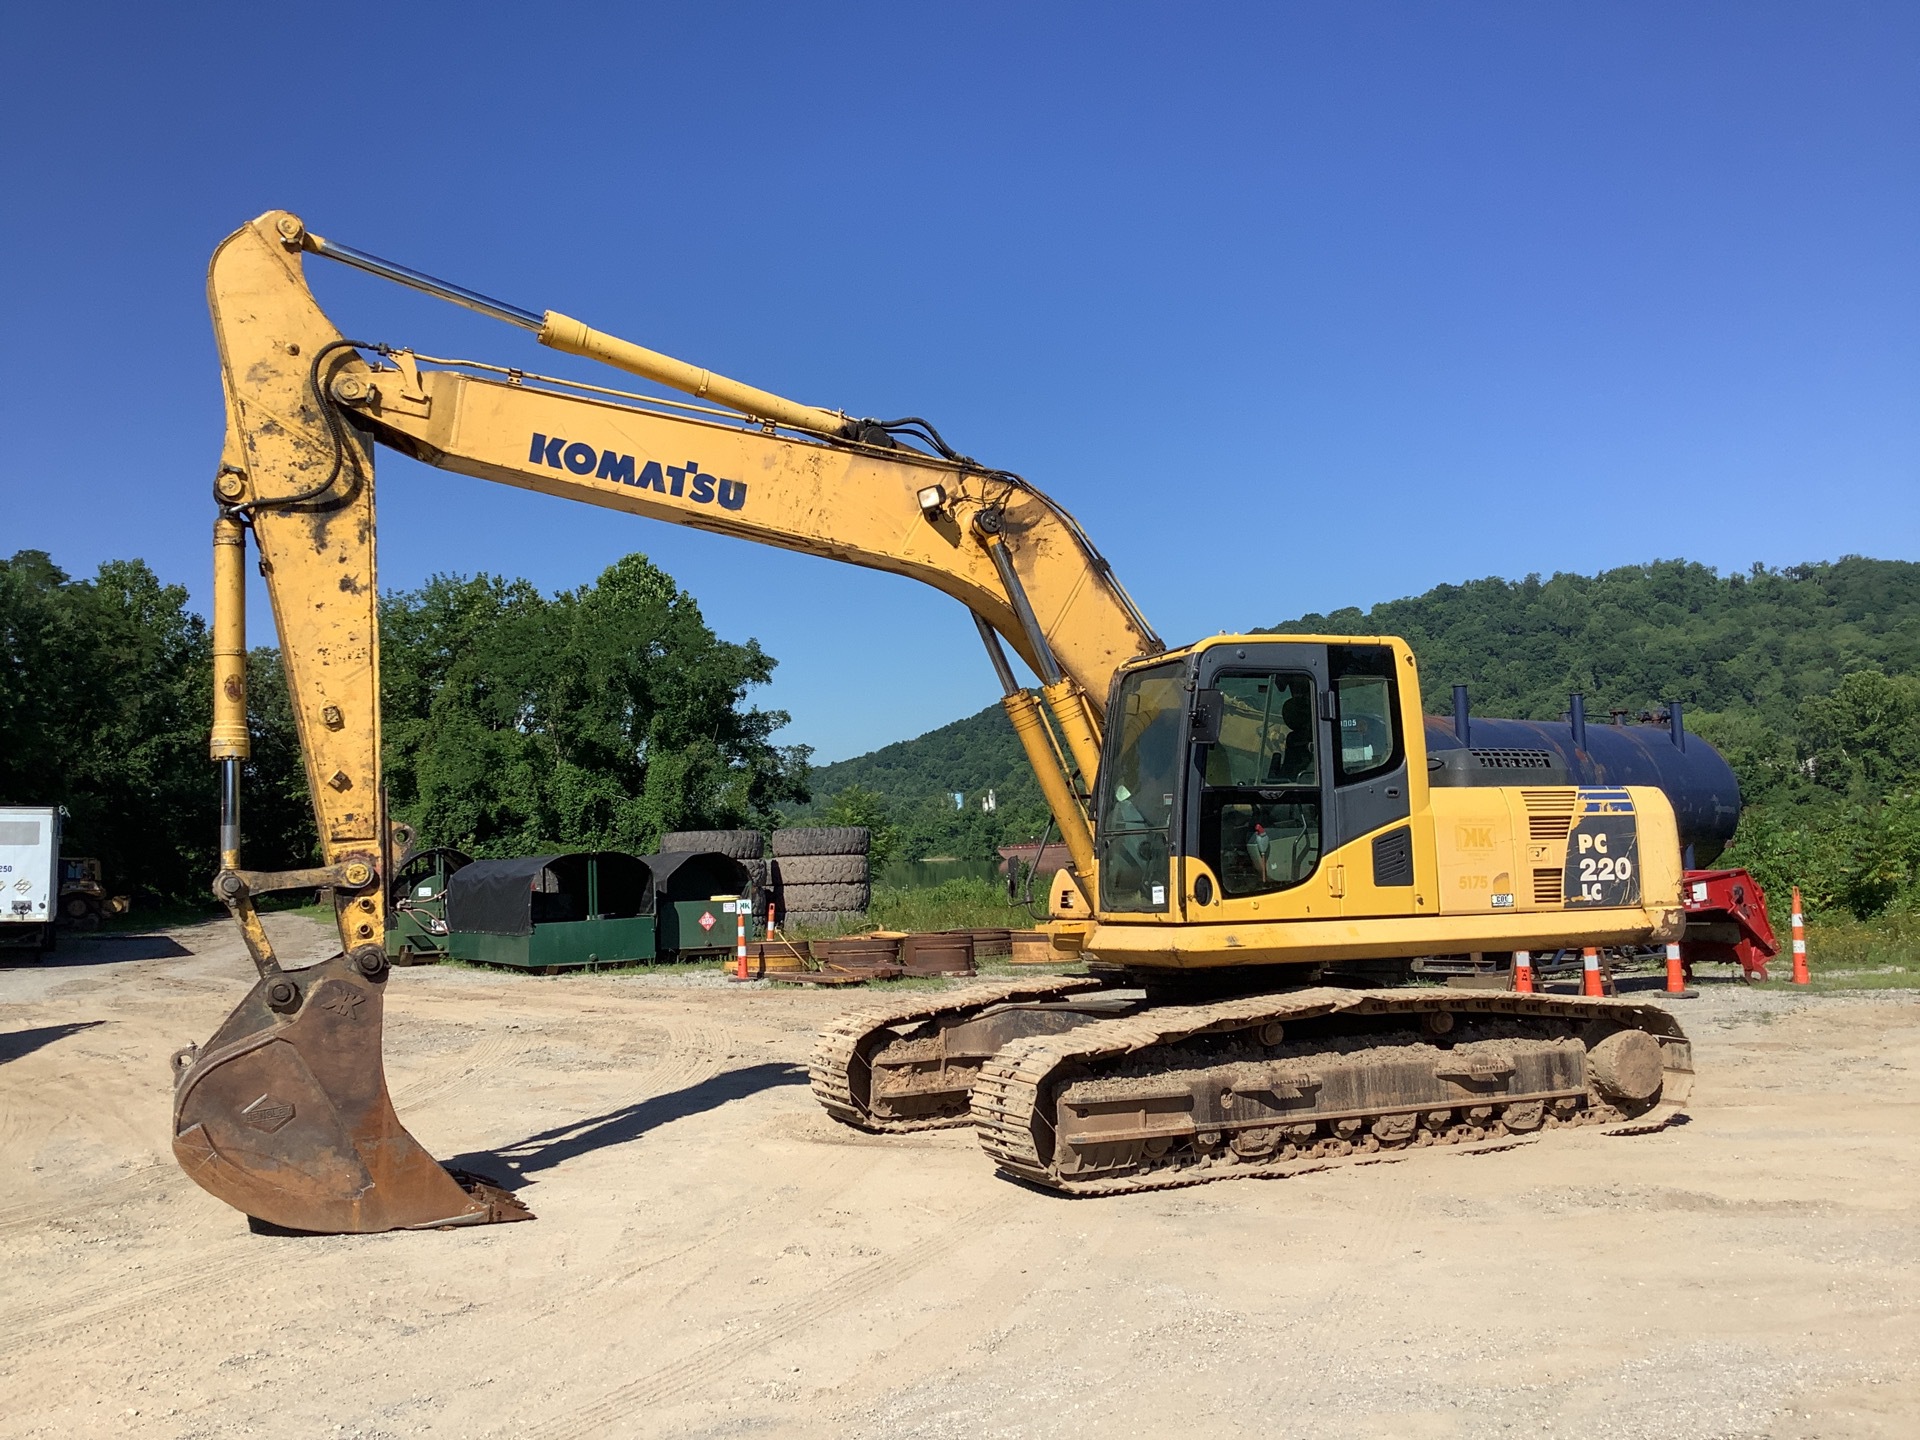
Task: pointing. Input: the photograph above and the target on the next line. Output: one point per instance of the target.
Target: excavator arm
(285, 1113)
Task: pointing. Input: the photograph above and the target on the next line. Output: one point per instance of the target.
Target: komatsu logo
(686, 481)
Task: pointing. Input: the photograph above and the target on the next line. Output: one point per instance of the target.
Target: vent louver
(1514, 759)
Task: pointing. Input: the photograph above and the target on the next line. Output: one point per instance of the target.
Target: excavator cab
(1243, 763)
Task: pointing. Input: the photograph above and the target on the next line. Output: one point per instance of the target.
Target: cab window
(1266, 731)
(1140, 782)
(1366, 705)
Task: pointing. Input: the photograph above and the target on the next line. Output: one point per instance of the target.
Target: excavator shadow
(512, 1166)
(111, 948)
(16, 1043)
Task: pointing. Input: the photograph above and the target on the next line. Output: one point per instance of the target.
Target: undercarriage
(1087, 1090)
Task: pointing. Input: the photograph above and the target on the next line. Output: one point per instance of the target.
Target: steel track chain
(839, 1047)
(1008, 1095)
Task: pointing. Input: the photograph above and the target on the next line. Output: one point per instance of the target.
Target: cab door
(1369, 831)
(1259, 786)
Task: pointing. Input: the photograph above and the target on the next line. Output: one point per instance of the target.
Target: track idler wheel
(285, 1115)
(1626, 1066)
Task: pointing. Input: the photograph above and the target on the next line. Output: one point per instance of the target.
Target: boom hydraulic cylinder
(1030, 728)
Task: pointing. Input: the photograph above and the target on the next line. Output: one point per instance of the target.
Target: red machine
(1726, 922)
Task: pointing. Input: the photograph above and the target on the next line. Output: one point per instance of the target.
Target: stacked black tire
(749, 847)
(820, 875)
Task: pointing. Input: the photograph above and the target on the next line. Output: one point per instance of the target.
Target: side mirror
(1204, 721)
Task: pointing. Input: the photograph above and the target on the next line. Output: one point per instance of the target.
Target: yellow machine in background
(1241, 814)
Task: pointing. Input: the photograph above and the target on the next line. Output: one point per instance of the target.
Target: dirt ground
(715, 1257)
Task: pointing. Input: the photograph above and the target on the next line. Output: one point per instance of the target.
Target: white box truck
(29, 879)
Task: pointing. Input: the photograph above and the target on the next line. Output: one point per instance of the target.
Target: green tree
(857, 805)
(1844, 825)
(104, 708)
(276, 811)
(1863, 738)
(598, 717)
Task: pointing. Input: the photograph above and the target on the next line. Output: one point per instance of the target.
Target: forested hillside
(1744, 651)
(1808, 678)
(517, 721)
(906, 789)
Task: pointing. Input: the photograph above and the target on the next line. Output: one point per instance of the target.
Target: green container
(417, 907)
(545, 912)
(698, 895)
(701, 929)
(587, 943)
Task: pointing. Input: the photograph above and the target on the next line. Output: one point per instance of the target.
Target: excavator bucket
(285, 1116)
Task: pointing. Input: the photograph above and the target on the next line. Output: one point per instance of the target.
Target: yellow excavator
(1250, 819)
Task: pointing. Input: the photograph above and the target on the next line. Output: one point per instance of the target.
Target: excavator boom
(285, 1112)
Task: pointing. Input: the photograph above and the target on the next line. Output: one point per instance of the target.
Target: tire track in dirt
(691, 1373)
(117, 1191)
(695, 1051)
(488, 1053)
(947, 1342)
(1379, 1226)
(690, 1051)
(120, 1298)
(569, 1298)
(13, 1129)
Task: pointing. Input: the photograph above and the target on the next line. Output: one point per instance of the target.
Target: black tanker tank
(1475, 750)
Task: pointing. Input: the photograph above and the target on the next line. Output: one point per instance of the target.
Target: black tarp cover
(697, 875)
(496, 897)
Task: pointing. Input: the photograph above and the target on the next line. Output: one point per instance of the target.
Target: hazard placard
(706, 920)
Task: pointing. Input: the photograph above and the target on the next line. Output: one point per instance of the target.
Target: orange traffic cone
(1677, 972)
(1523, 972)
(1800, 976)
(740, 941)
(1590, 973)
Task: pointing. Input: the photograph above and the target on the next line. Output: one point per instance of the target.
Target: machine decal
(1603, 850)
(341, 1001)
(267, 1114)
(685, 481)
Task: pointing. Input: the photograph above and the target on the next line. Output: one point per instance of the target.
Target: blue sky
(1294, 306)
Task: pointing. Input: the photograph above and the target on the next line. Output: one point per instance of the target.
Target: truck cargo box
(29, 877)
